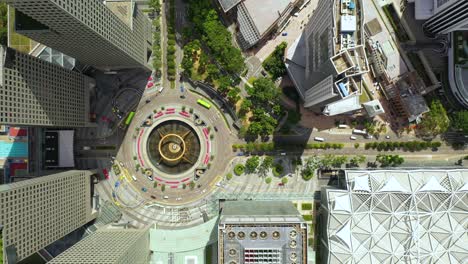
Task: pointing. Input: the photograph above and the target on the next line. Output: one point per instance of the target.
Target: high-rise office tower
(111, 246)
(34, 213)
(34, 92)
(443, 16)
(107, 34)
(327, 61)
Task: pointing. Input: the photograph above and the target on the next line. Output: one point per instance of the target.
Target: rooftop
(397, 215)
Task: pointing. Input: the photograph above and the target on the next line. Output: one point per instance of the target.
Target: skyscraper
(88, 30)
(34, 92)
(443, 16)
(34, 213)
(327, 61)
(110, 246)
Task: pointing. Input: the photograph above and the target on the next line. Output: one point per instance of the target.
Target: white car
(166, 197)
(178, 199)
(387, 137)
(150, 178)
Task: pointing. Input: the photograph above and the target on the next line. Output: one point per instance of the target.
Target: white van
(359, 132)
(133, 177)
(343, 126)
(319, 139)
(352, 138)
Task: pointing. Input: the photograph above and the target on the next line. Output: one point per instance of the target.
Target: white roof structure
(397, 216)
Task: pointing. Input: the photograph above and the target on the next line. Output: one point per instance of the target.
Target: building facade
(327, 61)
(443, 16)
(396, 216)
(88, 31)
(261, 232)
(34, 92)
(109, 246)
(34, 213)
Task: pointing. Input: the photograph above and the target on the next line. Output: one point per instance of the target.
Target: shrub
(268, 180)
(284, 180)
(155, 184)
(308, 176)
(229, 176)
(239, 169)
(163, 188)
(277, 170)
(306, 206)
(184, 186)
(356, 145)
(134, 157)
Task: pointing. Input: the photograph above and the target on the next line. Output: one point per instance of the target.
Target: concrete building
(458, 66)
(34, 213)
(258, 18)
(443, 16)
(34, 92)
(327, 62)
(109, 246)
(396, 216)
(261, 232)
(107, 34)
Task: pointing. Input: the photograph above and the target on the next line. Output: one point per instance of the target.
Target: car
(86, 148)
(369, 136)
(387, 137)
(121, 164)
(144, 189)
(296, 14)
(134, 178)
(284, 34)
(178, 199)
(106, 173)
(150, 178)
(352, 138)
(148, 100)
(283, 154)
(280, 184)
(216, 129)
(218, 184)
(204, 191)
(154, 197)
(166, 197)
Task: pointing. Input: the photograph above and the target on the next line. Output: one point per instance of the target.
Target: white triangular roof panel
(432, 185)
(342, 203)
(393, 185)
(361, 183)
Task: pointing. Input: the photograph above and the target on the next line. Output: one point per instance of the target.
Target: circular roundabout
(176, 158)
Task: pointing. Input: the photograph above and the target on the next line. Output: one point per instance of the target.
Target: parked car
(284, 34)
(280, 184)
(106, 173)
(154, 197)
(150, 178)
(144, 189)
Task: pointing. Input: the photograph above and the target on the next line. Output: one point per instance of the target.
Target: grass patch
(306, 206)
(17, 41)
(307, 217)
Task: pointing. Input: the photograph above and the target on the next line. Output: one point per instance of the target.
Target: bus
(204, 103)
(129, 118)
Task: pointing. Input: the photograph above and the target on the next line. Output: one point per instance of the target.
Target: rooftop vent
(253, 235)
(276, 235)
(263, 235)
(241, 235)
(231, 235)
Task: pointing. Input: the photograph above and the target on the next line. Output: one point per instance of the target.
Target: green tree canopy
(264, 91)
(460, 121)
(436, 121)
(251, 164)
(274, 64)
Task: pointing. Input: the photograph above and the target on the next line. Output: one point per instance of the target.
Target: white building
(34, 92)
(89, 31)
(396, 216)
(37, 212)
(109, 246)
(443, 16)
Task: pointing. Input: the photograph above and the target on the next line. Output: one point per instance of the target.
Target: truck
(359, 132)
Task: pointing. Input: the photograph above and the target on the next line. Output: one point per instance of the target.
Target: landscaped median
(407, 146)
(251, 147)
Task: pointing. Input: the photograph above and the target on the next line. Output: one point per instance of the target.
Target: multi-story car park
(88, 31)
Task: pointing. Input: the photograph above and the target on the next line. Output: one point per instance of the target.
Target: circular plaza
(174, 154)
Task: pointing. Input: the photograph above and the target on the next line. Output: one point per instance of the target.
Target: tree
(155, 5)
(436, 121)
(233, 95)
(356, 160)
(263, 92)
(251, 164)
(213, 71)
(268, 180)
(284, 180)
(460, 121)
(389, 160)
(3, 24)
(229, 176)
(274, 64)
(265, 165)
(224, 82)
